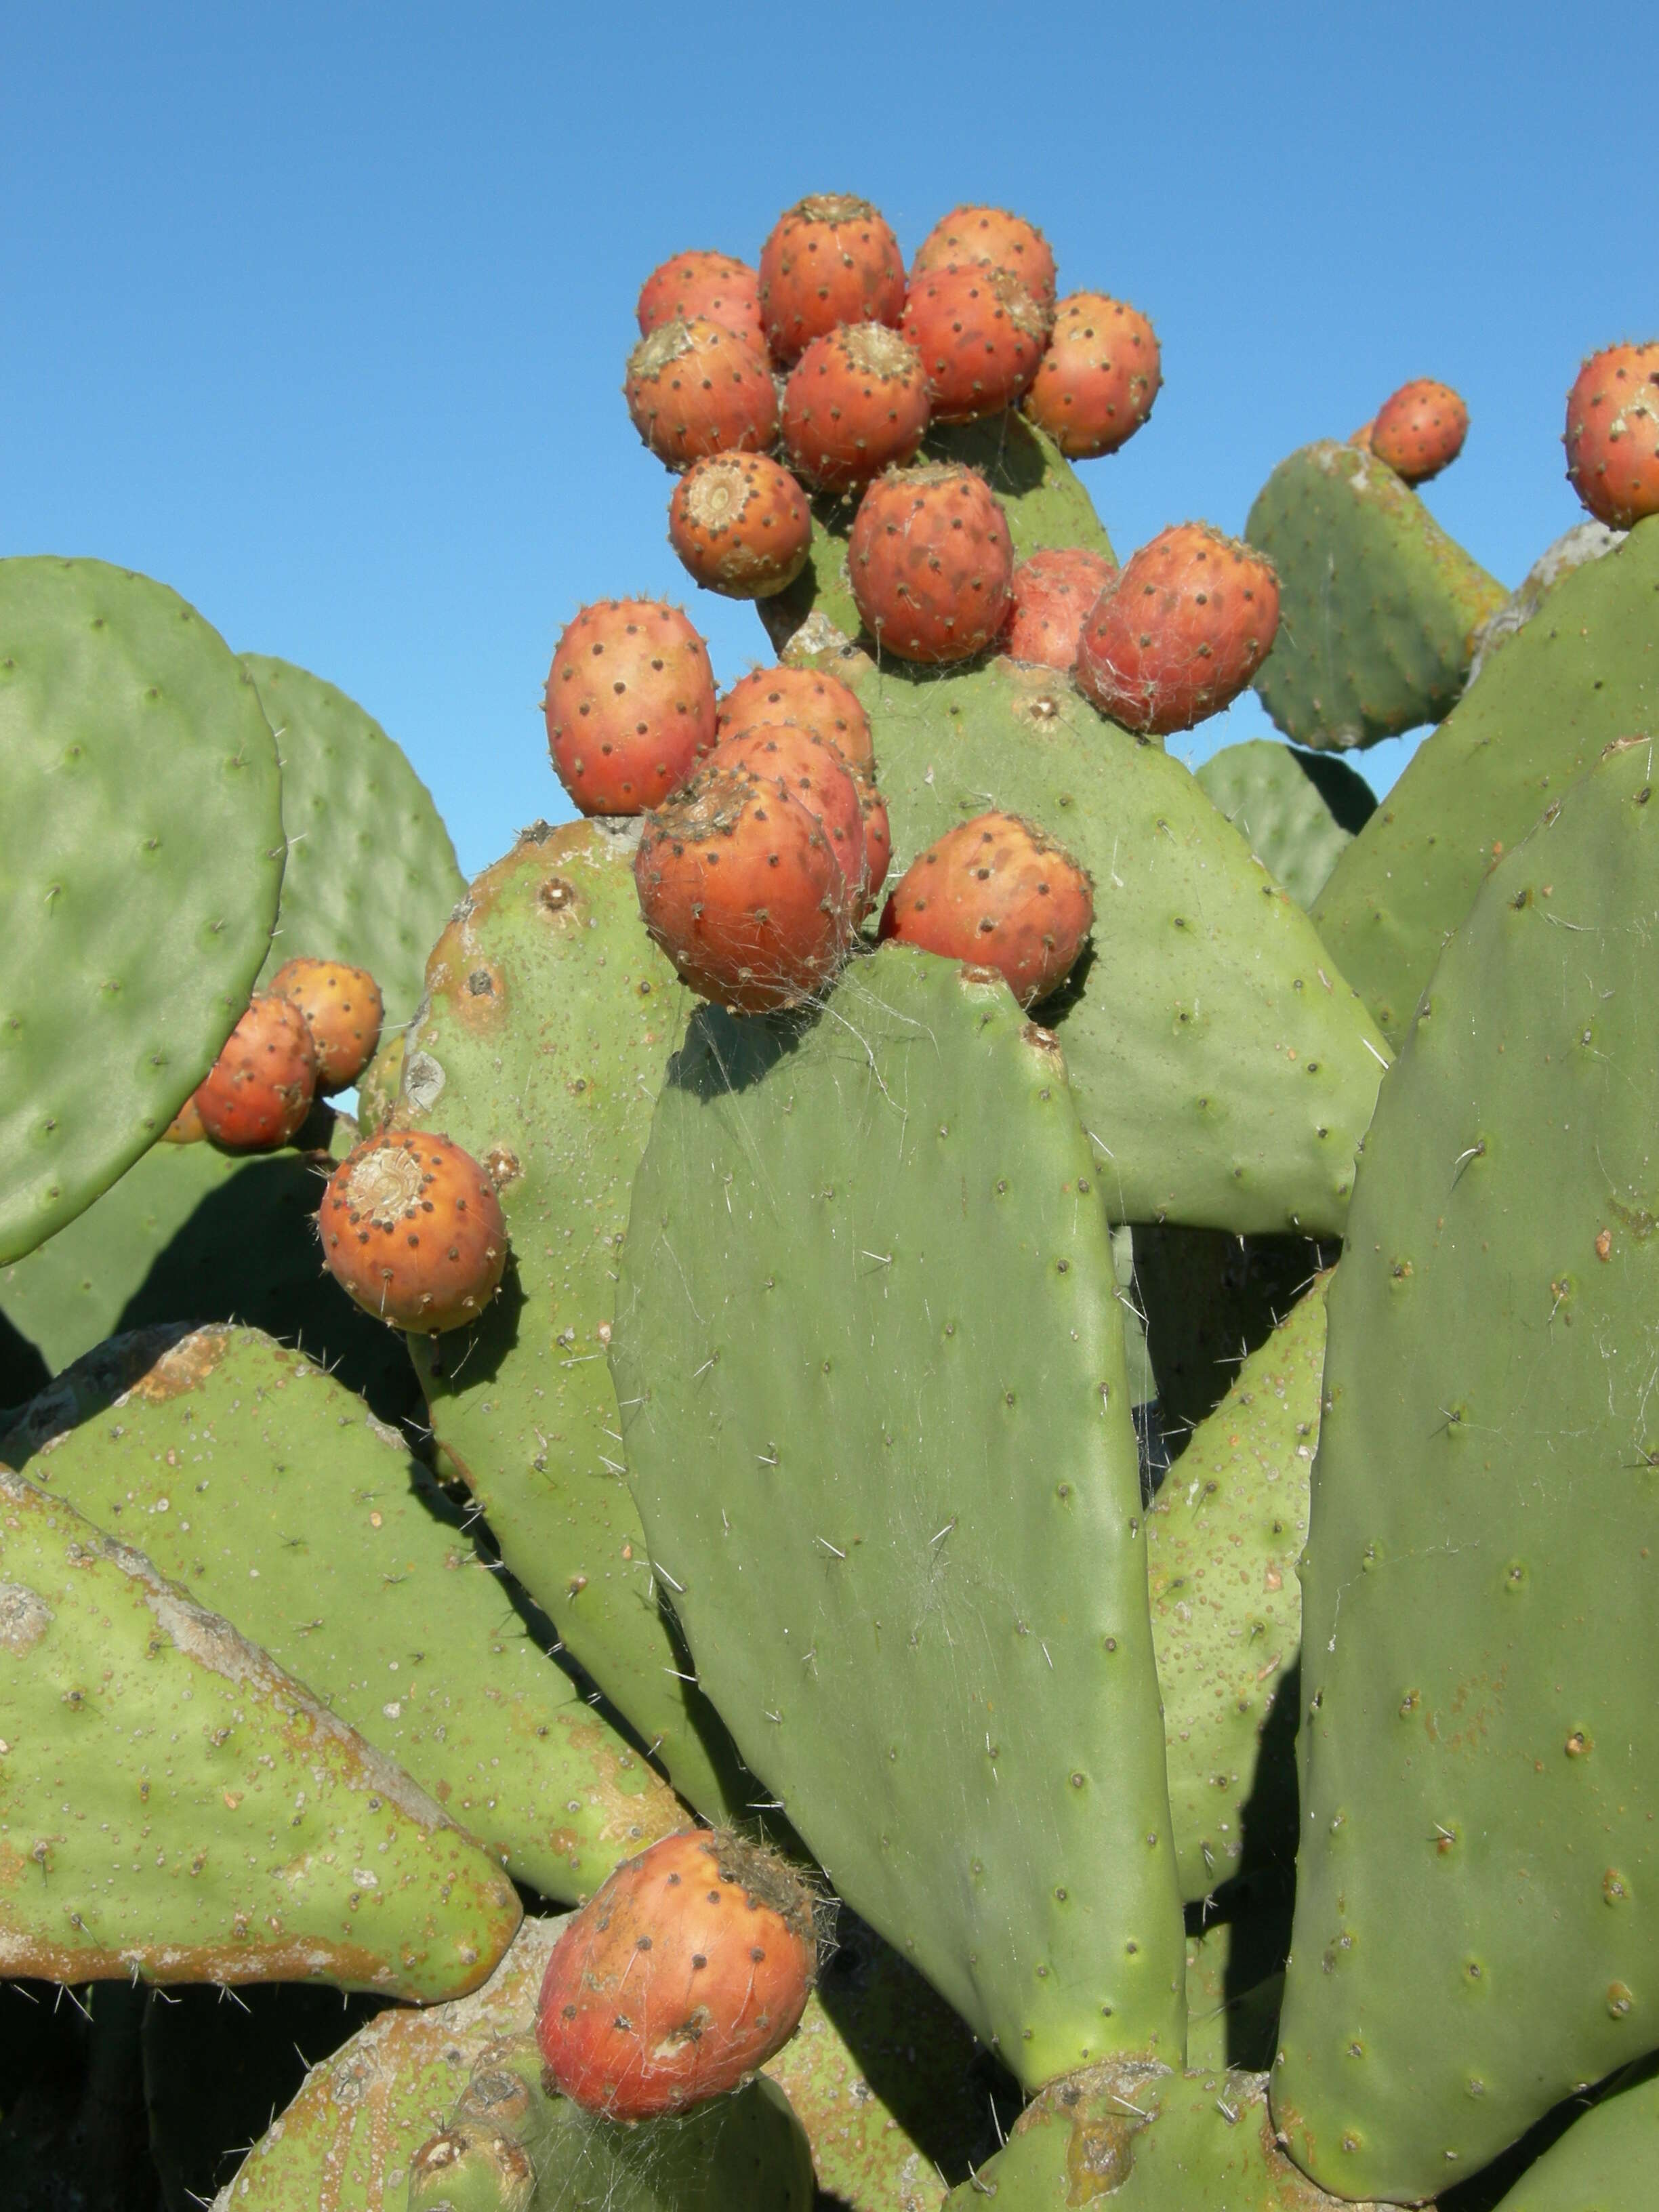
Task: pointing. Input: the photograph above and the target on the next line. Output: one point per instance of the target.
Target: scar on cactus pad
(412, 1229)
(687, 1971)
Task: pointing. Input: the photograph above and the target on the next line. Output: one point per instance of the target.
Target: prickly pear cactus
(1583, 674)
(371, 875)
(1225, 1070)
(1296, 811)
(1475, 1931)
(135, 752)
(1378, 607)
(548, 1019)
(174, 1805)
(1042, 495)
(870, 1367)
(1605, 2159)
(258, 1483)
(1222, 1537)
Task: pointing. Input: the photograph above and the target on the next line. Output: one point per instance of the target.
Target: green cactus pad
(1377, 609)
(870, 1364)
(141, 854)
(347, 2141)
(1150, 2142)
(1585, 672)
(1606, 2161)
(1210, 1301)
(1475, 1911)
(1223, 1536)
(549, 1018)
(1296, 811)
(1226, 2026)
(1042, 495)
(172, 1242)
(372, 876)
(256, 1482)
(173, 1804)
(1225, 1070)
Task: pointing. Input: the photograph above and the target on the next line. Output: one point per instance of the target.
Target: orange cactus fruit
(261, 1087)
(1054, 590)
(741, 525)
(344, 1011)
(1613, 434)
(830, 259)
(930, 561)
(981, 334)
(413, 1230)
(992, 238)
(819, 701)
(693, 388)
(712, 288)
(1000, 893)
(856, 403)
(1096, 384)
(1181, 632)
(1419, 429)
(630, 704)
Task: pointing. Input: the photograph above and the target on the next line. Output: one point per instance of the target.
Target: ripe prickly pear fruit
(1181, 632)
(980, 336)
(1053, 592)
(344, 1011)
(990, 237)
(1096, 385)
(681, 1976)
(741, 525)
(1362, 436)
(465, 2168)
(630, 704)
(811, 772)
(1001, 893)
(1612, 434)
(741, 886)
(694, 387)
(830, 259)
(930, 561)
(186, 1126)
(856, 403)
(821, 704)
(413, 1229)
(1419, 429)
(260, 1088)
(712, 288)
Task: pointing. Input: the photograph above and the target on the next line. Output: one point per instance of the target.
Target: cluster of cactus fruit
(1070, 1606)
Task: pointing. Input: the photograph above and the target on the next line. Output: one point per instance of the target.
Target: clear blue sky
(319, 313)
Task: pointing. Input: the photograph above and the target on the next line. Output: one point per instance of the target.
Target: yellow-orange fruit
(994, 238)
(261, 1087)
(830, 259)
(819, 702)
(344, 1011)
(413, 1229)
(630, 704)
(741, 525)
(683, 1973)
(1001, 893)
(186, 1126)
(1096, 385)
(694, 387)
(1613, 434)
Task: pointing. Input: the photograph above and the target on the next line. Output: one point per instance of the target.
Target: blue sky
(319, 313)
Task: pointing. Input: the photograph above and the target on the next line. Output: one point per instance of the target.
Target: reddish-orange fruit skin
(821, 704)
(694, 387)
(1182, 631)
(630, 704)
(930, 561)
(997, 891)
(344, 1011)
(1419, 429)
(1613, 434)
(1096, 385)
(741, 525)
(856, 403)
(413, 1229)
(739, 885)
(993, 238)
(714, 287)
(1362, 436)
(814, 773)
(1053, 591)
(830, 259)
(683, 1973)
(980, 336)
(259, 1089)
(186, 1125)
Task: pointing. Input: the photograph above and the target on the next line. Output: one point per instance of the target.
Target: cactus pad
(1476, 1931)
(1378, 607)
(174, 1805)
(256, 1482)
(1605, 2159)
(1296, 811)
(871, 1366)
(371, 874)
(1584, 673)
(134, 755)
